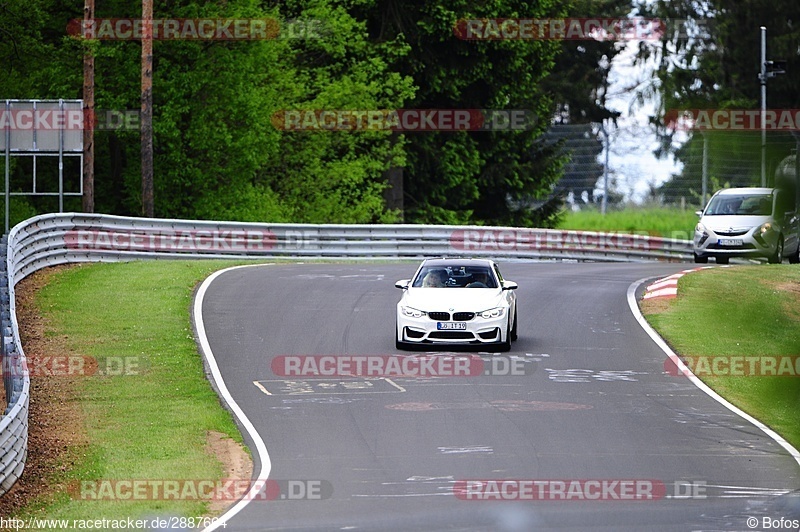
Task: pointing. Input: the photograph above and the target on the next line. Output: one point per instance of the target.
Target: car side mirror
(510, 285)
(402, 284)
(698, 213)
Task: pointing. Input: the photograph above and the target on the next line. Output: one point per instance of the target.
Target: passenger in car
(435, 279)
(480, 279)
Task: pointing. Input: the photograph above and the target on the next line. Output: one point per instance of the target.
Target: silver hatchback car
(748, 222)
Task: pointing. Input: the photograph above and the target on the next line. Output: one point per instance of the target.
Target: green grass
(672, 223)
(740, 311)
(150, 425)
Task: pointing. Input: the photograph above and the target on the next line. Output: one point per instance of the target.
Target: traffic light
(774, 68)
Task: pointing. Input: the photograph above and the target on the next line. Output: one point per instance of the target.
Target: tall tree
(475, 177)
(710, 60)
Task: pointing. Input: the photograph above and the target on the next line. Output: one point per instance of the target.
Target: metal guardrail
(53, 239)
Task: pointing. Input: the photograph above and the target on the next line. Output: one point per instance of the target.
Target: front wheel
(777, 257)
(700, 260)
(794, 258)
(505, 347)
(513, 334)
(400, 346)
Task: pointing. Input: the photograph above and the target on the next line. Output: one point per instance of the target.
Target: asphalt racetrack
(595, 413)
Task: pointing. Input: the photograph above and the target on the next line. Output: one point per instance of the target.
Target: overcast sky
(631, 159)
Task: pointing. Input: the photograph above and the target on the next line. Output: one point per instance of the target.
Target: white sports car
(457, 301)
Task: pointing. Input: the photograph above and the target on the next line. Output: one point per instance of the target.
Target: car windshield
(740, 205)
(455, 276)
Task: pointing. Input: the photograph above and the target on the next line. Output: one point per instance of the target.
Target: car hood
(459, 299)
(724, 223)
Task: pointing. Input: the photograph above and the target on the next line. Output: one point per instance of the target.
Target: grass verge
(671, 223)
(741, 311)
(147, 411)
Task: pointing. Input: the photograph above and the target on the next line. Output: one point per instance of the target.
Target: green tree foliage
(217, 153)
(710, 60)
(475, 177)
(578, 84)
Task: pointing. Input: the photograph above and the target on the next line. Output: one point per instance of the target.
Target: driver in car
(480, 279)
(435, 279)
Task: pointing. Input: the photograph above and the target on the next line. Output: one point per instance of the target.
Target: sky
(631, 159)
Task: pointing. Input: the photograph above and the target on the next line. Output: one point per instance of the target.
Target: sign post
(41, 128)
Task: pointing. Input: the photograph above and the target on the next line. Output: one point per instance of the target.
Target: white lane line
(261, 387)
(225, 395)
(683, 369)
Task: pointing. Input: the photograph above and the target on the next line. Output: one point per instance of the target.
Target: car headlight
(496, 312)
(699, 228)
(764, 228)
(412, 312)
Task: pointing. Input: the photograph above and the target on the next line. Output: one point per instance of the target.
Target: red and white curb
(667, 287)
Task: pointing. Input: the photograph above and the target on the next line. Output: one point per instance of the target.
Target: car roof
(461, 262)
(745, 190)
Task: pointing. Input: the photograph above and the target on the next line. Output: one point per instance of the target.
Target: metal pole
(705, 171)
(763, 106)
(604, 202)
(796, 171)
(8, 163)
(87, 162)
(61, 159)
(147, 109)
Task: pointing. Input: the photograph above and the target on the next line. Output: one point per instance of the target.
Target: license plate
(451, 325)
(730, 242)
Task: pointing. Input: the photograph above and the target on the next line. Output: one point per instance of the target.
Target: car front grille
(451, 335)
(735, 232)
(445, 316)
(744, 246)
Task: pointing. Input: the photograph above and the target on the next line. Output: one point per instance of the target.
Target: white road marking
(260, 387)
(683, 369)
(466, 450)
(225, 395)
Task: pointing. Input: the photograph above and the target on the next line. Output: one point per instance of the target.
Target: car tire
(513, 334)
(794, 258)
(505, 347)
(700, 260)
(723, 260)
(777, 257)
(400, 346)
